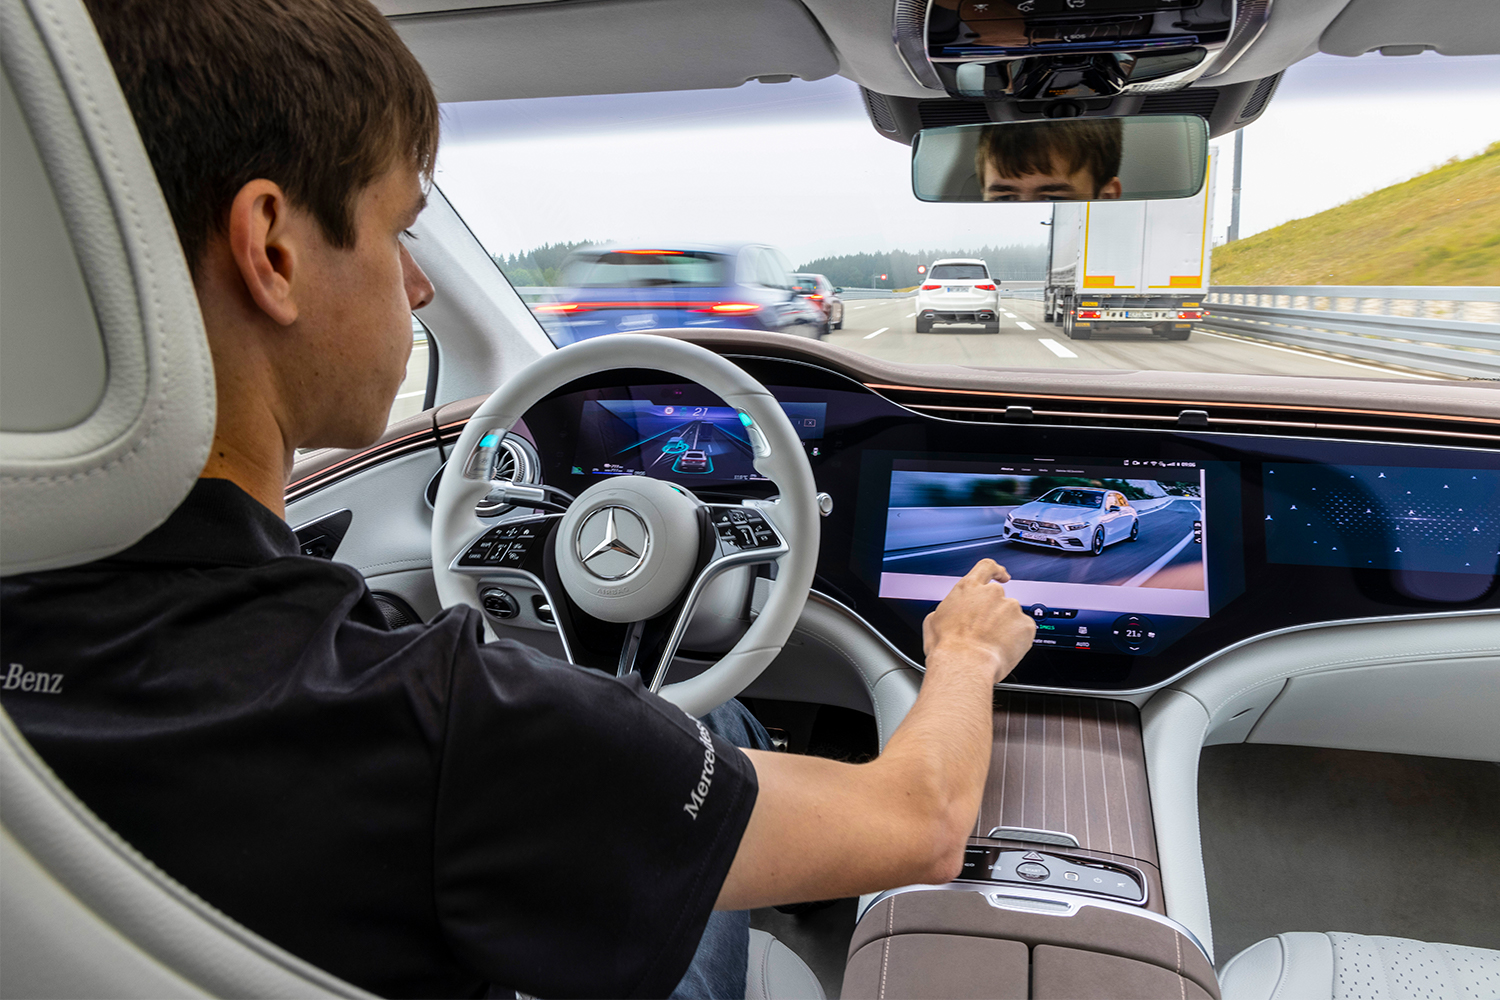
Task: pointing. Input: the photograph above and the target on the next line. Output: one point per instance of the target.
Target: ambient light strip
(1291, 407)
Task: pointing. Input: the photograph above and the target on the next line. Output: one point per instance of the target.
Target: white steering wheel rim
(795, 515)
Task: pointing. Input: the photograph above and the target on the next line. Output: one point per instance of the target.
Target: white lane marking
(910, 315)
(1010, 315)
(1151, 570)
(1320, 357)
(409, 395)
(872, 336)
(1055, 347)
(1027, 326)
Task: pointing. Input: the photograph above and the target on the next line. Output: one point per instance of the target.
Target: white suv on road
(958, 290)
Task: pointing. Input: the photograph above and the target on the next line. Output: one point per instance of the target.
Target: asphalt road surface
(886, 328)
(1158, 548)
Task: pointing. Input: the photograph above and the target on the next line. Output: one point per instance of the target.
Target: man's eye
(408, 234)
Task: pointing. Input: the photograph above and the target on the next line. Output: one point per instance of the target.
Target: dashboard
(1138, 552)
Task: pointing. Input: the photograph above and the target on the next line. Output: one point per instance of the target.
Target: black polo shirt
(412, 810)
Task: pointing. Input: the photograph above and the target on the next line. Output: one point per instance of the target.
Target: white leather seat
(776, 973)
(1336, 966)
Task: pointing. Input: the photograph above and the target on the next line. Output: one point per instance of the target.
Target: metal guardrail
(1394, 324)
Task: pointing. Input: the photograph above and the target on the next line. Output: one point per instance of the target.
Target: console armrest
(963, 940)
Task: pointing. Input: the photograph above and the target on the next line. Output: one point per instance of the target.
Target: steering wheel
(626, 563)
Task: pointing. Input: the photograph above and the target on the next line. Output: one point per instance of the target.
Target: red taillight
(729, 307)
(931, 288)
(1089, 314)
(664, 253)
(1190, 314)
(815, 297)
(561, 307)
(985, 288)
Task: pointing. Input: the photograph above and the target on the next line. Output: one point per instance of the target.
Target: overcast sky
(798, 165)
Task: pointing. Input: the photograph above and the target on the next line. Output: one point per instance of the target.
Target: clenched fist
(977, 619)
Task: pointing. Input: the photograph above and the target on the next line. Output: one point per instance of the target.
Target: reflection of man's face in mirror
(1055, 185)
(1074, 160)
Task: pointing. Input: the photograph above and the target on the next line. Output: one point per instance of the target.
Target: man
(413, 810)
(1076, 160)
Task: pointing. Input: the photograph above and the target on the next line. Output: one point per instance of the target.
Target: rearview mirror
(1074, 159)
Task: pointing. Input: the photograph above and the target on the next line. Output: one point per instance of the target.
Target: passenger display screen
(669, 439)
(1383, 517)
(1106, 557)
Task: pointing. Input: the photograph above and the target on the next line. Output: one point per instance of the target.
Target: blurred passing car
(820, 290)
(627, 289)
(958, 291)
(1074, 519)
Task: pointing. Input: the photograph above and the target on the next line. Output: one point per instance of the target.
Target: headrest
(106, 382)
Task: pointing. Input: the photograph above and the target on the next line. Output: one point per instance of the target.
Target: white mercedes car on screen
(1074, 519)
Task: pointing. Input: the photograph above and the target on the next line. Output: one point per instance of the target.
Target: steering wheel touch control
(623, 569)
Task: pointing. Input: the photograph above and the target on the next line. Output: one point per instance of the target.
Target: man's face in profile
(1058, 184)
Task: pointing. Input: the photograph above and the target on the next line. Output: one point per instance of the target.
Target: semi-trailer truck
(1130, 264)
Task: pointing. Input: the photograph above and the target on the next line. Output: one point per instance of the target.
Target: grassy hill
(1440, 228)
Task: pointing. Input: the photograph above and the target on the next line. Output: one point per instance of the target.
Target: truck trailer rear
(1130, 264)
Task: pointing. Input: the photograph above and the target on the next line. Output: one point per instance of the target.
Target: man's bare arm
(822, 829)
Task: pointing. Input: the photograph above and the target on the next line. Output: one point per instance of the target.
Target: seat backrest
(106, 382)
(106, 418)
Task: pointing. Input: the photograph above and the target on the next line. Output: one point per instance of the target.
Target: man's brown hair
(319, 96)
(1020, 148)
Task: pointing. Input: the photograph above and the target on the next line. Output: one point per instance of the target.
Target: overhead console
(1017, 60)
(1137, 552)
(1055, 49)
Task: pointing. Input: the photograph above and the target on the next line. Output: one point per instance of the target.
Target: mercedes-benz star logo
(612, 542)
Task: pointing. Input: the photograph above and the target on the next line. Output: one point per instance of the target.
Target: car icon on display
(692, 461)
(1074, 519)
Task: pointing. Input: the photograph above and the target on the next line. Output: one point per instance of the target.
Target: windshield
(954, 272)
(1074, 498)
(1362, 244)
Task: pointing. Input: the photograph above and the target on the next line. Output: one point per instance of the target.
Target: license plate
(1140, 314)
(1033, 536)
(955, 288)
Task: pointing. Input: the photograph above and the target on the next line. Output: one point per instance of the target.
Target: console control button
(1032, 870)
(742, 528)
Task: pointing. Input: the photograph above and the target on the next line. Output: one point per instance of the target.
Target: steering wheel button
(739, 516)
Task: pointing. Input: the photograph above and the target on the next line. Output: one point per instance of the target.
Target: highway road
(1163, 554)
(885, 328)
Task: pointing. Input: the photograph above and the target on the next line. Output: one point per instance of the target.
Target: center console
(1060, 893)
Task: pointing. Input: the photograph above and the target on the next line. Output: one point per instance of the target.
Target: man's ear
(1111, 190)
(263, 242)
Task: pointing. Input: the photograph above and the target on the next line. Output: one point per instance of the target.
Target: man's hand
(822, 829)
(977, 618)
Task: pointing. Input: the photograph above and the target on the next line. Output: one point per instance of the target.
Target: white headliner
(498, 49)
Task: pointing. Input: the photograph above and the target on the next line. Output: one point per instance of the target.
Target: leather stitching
(120, 194)
(1181, 982)
(765, 968)
(890, 929)
(1283, 975)
(1447, 964)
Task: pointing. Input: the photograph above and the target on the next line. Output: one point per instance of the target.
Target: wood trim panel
(1074, 765)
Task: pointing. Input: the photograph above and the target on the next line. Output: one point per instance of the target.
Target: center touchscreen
(1105, 557)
